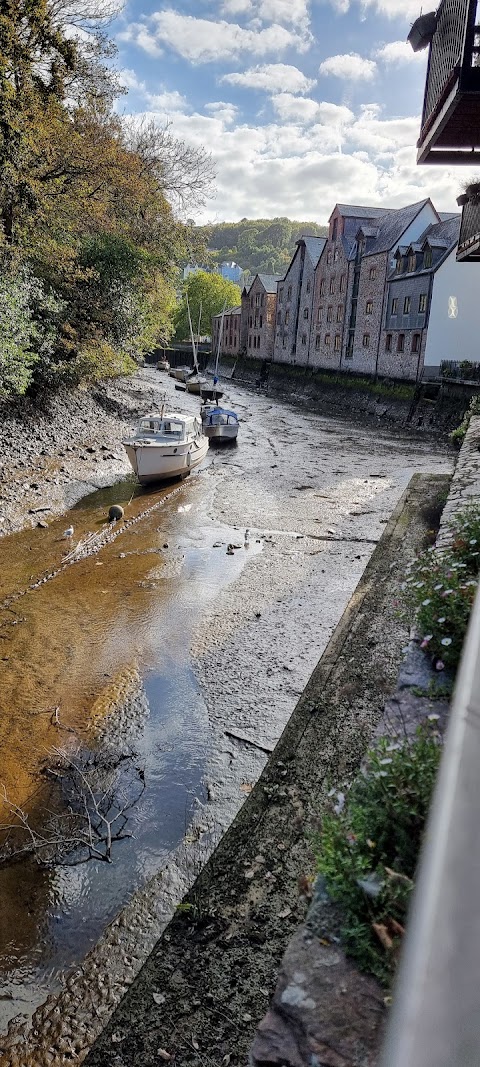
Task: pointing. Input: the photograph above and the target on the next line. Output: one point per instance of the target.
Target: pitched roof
(393, 224)
(314, 246)
(445, 232)
(269, 281)
(358, 212)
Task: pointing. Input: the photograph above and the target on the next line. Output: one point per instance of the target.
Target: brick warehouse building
(295, 301)
(340, 313)
(230, 341)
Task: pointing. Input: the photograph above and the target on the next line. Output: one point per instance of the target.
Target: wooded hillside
(258, 245)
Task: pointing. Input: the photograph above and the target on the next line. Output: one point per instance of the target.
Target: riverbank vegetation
(257, 245)
(90, 239)
(205, 295)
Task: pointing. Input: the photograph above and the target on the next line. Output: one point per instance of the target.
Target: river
(161, 643)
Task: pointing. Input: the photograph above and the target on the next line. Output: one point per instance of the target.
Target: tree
(207, 295)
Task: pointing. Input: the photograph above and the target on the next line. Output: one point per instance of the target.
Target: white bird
(68, 532)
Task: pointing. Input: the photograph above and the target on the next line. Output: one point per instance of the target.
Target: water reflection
(106, 642)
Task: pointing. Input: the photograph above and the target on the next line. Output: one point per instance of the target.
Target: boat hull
(196, 386)
(157, 463)
(221, 433)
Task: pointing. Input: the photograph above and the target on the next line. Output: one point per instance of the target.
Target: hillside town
(382, 295)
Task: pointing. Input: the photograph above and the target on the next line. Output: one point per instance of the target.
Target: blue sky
(301, 103)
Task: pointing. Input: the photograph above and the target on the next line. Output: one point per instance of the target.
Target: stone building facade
(295, 302)
(259, 308)
(334, 290)
(230, 332)
(408, 299)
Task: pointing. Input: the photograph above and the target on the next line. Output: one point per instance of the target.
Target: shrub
(369, 846)
(457, 436)
(440, 589)
(98, 360)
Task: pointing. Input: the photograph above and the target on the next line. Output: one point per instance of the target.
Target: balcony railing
(469, 239)
(435, 1019)
(450, 130)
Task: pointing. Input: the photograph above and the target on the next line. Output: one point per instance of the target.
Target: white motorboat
(219, 424)
(166, 445)
(163, 364)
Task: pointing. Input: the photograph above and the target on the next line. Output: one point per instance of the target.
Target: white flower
(426, 602)
(437, 587)
(341, 803)
(433, 717)
(446, 641)
(384, 762)
(442, 618)
(473, 541)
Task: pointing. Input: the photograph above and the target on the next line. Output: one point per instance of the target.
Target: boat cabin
(169, 427)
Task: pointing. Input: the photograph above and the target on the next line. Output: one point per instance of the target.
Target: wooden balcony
(450, 131)
(468, 249)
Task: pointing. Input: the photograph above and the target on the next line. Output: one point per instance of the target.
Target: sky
(301, 103)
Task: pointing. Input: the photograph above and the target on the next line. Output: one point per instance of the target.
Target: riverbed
(193, 656)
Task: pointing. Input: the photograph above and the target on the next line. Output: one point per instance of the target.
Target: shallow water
(106, 641)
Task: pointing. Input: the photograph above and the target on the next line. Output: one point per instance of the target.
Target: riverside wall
(428, 406)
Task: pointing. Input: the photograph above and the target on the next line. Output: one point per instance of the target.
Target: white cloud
(227, 113)
(129, 80)
(272, 77)
(204, 41)
(167, 101)
(396, 53)
(351, 67)
(236, 7)
(291, 108)
(294, 11)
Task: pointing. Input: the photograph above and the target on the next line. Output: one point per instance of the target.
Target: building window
(280, 296)
(332, 284)
(249, 342)
(401, 342)
(398, 268)
(287, 318)
(334, 229)
(388, 342)
(369, 307)
(336, 343)
(317, 341)
(279, 317)
(305, 313)
(329, 258)
(366, 340)
(319, 314)
(394, 305)
(250, 321)
(269, 317)
(327, 338)
(411, 261)
(308, 287)
(257, 300)
(422, 303)
(263, 300)
(406, 305)
(304, 338)
(342, 283)
(284, 340)
(339, 312)
(322, 286)
(372, 273)
(336, 255)
(261, 321)
(416, 342)
(427, 259)
(329, 313)
(289, 292)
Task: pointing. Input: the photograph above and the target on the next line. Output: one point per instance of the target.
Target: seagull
(68, 532)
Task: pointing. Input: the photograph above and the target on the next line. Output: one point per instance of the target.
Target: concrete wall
(453, 328)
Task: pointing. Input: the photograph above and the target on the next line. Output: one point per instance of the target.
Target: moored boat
(219, 424)
(195, 383)
(163, 364)
(166, 445)
(179, 373)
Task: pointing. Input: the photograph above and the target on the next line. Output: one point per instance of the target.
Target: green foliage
(368, 848)
(457, 436)
(207, 294)
(440, 589)
(92, 240)
(99, 360)
(257, 245)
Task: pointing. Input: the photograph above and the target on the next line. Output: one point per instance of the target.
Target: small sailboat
(219, 424)
(195, 381)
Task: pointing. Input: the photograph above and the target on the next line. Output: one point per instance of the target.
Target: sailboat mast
(194, 353)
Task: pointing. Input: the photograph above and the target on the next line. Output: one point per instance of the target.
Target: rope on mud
(90, 545)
